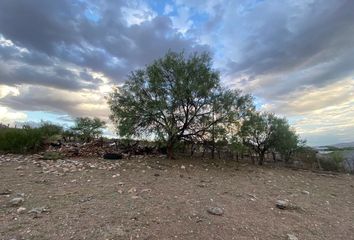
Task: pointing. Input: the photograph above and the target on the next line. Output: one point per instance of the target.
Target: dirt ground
(156, 198)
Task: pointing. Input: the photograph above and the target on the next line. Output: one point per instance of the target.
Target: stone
(113, 156)
(292, 237)
(5, 192)
(286, 205)
(16, 201)
(38, 210)
(215, 211)
(281, 204)
(21, 210)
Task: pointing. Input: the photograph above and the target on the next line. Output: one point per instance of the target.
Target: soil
(157, 198)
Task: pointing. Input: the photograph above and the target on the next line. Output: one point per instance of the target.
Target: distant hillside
(344, 145)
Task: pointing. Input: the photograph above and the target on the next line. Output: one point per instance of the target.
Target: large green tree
(175, 98)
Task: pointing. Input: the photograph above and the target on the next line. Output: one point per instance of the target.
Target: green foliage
(264, 132)
(49, 129)
(333, 162)
(88, 128)
(284, 140)
(175, 98)
(27, 139)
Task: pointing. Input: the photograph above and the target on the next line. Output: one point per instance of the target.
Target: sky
(60, 59)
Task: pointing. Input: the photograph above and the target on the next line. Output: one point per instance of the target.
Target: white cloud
(137, 13)
(8, 116)
(168, 9)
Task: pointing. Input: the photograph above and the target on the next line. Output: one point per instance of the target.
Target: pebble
(21, 210)
(17, 201)
(281, 204)
(292, 237)
(215, 211)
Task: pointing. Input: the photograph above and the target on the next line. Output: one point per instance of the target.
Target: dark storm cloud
(37, 98)
(57, 77)
(299, 43)
(65, 31)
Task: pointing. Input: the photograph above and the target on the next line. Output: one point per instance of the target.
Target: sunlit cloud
(299, 68)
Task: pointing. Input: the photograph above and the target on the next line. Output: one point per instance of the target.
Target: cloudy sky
(59, 59)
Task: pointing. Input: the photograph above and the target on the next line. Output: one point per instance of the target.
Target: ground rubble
(152, 197)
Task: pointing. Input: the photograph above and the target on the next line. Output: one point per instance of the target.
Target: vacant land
(156, 198)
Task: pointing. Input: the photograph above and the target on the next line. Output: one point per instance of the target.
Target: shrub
(14, 140)
(52, 156)
(27, 139)
(333, 162)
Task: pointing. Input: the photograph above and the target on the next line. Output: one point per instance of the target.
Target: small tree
(285, 140)
(175, 98)
(263, 132)
(88, 128)
(49, 129)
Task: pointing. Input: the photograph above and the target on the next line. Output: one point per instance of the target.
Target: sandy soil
(155, 198)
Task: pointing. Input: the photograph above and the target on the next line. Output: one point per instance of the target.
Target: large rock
(113, 156)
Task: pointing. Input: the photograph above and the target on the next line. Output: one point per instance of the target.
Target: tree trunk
(213, 151)
(170, 151)
(261, 158)
(274, 156)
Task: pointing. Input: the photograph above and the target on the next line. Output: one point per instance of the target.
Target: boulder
(113, 156)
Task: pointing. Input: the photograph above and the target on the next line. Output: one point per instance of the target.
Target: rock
(215, 211)
(5, 192)
(113, 156)
(21, 210)
(38, 210)
(16, 201)
(305, 192)
(286, 205)
(281, 204)
(292, 237)
(19, 168)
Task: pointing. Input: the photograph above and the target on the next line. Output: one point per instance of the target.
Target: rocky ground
(156, 198)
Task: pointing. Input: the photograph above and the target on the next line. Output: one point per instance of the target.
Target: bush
(333, 162)
(52, 156)
(14, 140)
(27, 139)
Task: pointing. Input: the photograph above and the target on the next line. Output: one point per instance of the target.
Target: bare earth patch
(156, 198)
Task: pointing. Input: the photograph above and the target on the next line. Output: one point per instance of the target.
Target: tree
(284, 139)
(257, 133)
(175, 98)
(88, 128)
(49, 129)
(263, 132)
